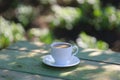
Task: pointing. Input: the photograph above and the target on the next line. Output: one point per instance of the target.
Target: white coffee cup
(62, 52)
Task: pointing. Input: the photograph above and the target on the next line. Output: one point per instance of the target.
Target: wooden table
(23, 61)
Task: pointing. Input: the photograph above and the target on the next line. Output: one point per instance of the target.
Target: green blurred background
(87, 23)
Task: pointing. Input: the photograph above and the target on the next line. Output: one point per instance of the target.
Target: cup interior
(60, 45)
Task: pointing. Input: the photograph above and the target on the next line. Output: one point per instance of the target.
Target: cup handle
(76, 50)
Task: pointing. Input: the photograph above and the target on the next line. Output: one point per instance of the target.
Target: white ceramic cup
(63, 56)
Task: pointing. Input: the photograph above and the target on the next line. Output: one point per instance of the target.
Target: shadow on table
(29, 46)
(99, 55)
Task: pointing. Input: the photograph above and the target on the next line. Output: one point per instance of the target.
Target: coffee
(61, 45)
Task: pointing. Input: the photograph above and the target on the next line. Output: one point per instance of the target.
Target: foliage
(108, 19)
(10, 32)
(100, 17)
(88, 12)
(65, 16)
(25, 14)
(86, 41)
(43, 35)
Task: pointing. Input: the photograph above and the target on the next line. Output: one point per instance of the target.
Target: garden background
(87, 23)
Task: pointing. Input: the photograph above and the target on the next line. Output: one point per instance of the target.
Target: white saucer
(48, 60)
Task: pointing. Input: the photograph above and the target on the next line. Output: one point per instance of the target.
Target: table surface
(23, 61)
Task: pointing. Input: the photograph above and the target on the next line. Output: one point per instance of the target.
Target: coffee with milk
(61, 45)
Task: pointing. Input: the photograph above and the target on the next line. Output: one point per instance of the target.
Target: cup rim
(54, 43)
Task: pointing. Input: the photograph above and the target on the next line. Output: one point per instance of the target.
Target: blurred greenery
(86, 41)
(43, 35)
(71, 15)
(65, 16)
(25, 14)
(10, 32)
(107, 19)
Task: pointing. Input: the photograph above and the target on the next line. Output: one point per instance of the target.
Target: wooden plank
(13, 75)
(28, 46)
(31, 62)
(100, 55)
